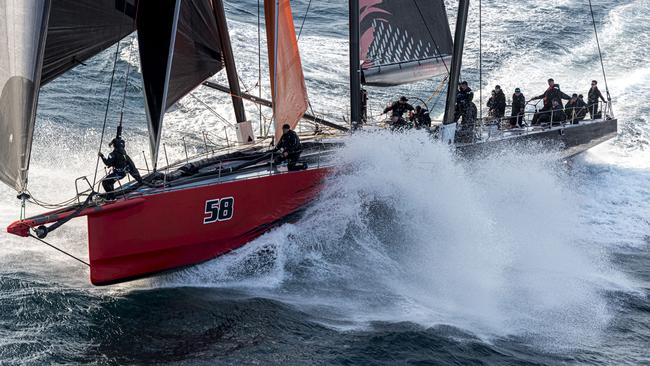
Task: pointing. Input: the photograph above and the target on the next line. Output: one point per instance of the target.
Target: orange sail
(287, 79)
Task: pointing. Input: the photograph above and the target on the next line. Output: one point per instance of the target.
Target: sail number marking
(220, 209)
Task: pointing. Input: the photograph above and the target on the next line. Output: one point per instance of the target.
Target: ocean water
(410, 256)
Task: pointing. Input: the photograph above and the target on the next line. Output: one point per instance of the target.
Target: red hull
(153, 233)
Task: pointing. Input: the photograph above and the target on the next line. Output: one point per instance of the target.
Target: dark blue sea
(409, 256)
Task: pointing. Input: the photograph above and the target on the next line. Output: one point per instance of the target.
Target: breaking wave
(406, 231)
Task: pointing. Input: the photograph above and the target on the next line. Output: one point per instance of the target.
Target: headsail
(23, 27)
(287, 79)
(403, 41)
(179, 49)
(157, 23)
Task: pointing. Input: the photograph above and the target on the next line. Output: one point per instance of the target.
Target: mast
(229, 60)
(355, 64)
(457, 60)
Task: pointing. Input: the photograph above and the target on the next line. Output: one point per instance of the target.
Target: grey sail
(41, 40)
(23, 27)
(403, 41)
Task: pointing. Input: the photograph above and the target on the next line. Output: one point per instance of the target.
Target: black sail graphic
(403, 41)
(22, 41)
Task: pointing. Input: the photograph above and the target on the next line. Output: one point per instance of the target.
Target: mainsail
(287, 80)
(403, 41)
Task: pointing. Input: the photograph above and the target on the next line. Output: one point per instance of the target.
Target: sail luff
(155, 145)
(37, 81)
(157, 27)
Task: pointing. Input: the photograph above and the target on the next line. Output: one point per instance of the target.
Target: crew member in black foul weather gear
(121, 164)
(575, 109)
(399, 108)
(500, 102)
(552, 93)
(592, 100)
(464, 104)
(290, 148)
(518, 108)
(421, 118)
(466, 109)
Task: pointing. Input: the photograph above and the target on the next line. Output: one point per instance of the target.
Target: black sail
(197, 51)
(403, 41)
(80, 29)
(22, 41)
(179, 49)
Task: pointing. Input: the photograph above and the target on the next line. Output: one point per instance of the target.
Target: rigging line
(108, 102)
(480, 59)
(303, 21)
(259, 62)
(212, 110)
(600, 53)
(60, 250)
(431, 35)
(126, 81)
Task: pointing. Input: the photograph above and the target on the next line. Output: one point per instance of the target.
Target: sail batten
(403, 41)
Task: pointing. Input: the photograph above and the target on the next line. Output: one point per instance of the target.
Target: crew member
(466, 109)
(552, 93)
(518, 108)
(574, 109)
(492, 105)
(464, 103)
(421, 118)
(592, 100)
(558, 114)
(582, 108)
(499, 102)
(290, 147)
(121, 164)
(399, 108)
